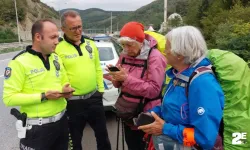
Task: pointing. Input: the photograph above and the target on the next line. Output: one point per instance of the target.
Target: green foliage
(175, 22)
(192, 17)
(244, 54)
(8, 16)
(8, 13)
(7, 36)
(224, 23)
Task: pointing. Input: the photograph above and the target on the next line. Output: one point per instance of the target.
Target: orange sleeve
(188, 137)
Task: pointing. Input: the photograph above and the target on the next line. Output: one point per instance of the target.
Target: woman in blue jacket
(190, 115)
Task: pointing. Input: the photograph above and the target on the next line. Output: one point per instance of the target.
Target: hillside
(28, 12)
(150, 14)
(98, 18)
(153, 13)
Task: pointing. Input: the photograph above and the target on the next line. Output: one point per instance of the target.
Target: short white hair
(188, 42)
(127, 39)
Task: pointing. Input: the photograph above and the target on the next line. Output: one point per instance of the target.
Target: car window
(105, 53)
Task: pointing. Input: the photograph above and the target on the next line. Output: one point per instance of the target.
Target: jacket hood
(148, 43)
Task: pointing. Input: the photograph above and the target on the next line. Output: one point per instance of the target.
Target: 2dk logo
(239, 138)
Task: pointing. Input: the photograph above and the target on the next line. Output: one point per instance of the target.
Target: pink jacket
(151, 83)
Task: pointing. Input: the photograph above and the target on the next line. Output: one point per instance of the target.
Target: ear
(180, 57)
(38, 37)
(63, 29)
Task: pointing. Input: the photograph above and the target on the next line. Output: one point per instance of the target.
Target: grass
(7, 50)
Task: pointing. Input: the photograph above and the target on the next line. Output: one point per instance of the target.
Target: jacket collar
(33, 52)
(70, 42)
(143, 53)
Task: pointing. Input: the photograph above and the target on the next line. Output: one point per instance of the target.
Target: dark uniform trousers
(90, 111)
(51, 136)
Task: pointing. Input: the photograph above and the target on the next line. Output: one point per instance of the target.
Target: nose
(56, 41)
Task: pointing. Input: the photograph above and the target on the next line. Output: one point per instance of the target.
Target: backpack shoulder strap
(197, 72)
(145, 67)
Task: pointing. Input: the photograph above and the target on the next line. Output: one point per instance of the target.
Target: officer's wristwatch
(44, 98)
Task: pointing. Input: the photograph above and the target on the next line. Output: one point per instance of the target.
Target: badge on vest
(7, 72)
(57, 65)
(89, 49)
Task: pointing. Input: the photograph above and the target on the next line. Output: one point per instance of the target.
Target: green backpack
(233, 74)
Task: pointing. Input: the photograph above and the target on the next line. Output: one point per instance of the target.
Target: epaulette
(20, 53)
(60, 39)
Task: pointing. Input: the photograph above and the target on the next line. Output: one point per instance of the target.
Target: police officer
(36, 81)
(81, 60)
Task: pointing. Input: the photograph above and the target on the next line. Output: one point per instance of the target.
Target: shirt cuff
(36, 97)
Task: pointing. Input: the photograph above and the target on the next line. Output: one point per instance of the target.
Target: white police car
(102, 38)
(108, 55)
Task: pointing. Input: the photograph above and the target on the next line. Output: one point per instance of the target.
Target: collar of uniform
(70, 42)
(33, 52)
(78, 48)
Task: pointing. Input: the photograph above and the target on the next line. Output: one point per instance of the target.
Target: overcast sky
(118, 5)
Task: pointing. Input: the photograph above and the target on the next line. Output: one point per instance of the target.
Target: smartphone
(144, 119)
(113, 69)
(67, 92)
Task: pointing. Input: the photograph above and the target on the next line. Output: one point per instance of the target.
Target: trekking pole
(118, 129)
(147, 140)
(123, 135)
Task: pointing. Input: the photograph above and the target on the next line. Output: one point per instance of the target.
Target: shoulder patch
(20, 53)
(60, 39)
(7, 73)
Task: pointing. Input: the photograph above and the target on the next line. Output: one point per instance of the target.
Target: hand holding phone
(67, 92)
(113, 69)
(144, 119)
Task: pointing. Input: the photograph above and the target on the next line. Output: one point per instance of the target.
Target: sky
(114, 5)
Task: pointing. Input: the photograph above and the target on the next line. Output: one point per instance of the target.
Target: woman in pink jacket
(142, 71)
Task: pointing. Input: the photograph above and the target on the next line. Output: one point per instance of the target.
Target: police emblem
(57, 65)
(89, 49)
(7, 72)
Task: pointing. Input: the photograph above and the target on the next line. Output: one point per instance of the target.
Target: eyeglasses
(74, 29)
(127, 44)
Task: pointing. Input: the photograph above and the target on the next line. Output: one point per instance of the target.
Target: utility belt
(23, 123)
(85, 96)
(41, 121)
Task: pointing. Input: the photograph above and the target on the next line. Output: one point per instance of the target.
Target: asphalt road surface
(8, 134)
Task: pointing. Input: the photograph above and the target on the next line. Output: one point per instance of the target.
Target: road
(8, 134)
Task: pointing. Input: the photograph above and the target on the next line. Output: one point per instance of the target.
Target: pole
(117, 27)
(17, 23)
(111, 24)
(165, 10)
(59, 15)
